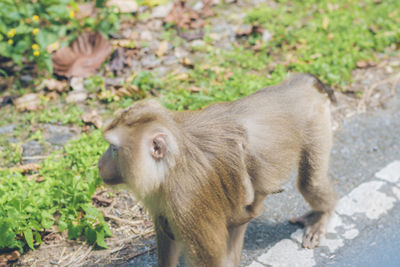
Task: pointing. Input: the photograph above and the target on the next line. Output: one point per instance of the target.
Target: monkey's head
(142, 147)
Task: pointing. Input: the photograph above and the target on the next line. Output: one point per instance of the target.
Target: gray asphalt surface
(364, 145)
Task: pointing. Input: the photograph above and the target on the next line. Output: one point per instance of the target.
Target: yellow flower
(36, 53)
(35, 47)
(10, 42)
(35, 18)
(35, 31)
(72, 14)
(11, 33)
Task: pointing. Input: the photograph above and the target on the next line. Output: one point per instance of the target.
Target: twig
(141, 253)
(123, 221)
(362, 104)
(62, 254)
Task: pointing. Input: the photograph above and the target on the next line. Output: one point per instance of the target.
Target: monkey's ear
(158, 146)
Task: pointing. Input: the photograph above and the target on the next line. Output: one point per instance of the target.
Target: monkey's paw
(315, 223)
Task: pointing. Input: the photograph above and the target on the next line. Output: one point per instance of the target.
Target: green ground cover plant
(328, 38)
(62, 199)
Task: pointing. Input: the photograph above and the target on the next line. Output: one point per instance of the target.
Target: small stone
(77, 84)
(197, 43)
(266, 36)
(171, 60)
(161, 71)
(27, 102)
(125, 6)
(7, 129)
(26, 78)
(180, 53)
(76, 96)
(215, 36)
(146, 36)
(155, 25)
(244, 30)
(114, 81)
(198, 6)
(58, 135)
(150, 62)
(161, 11)
(30, 149)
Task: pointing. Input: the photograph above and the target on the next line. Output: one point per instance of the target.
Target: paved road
(365, 229)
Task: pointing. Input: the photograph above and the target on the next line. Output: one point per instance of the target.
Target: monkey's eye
(114, 150)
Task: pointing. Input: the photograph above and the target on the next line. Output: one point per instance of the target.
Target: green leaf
(62, 225)
(29, 238)
(74, 231)
(4, 49)
(90, 235)
(7, 236)
(100, 239)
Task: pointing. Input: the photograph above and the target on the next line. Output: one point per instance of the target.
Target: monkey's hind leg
(315, 187)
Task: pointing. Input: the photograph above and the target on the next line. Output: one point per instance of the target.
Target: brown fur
(219, 165)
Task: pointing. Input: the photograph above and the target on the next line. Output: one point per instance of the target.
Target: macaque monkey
(203, 175)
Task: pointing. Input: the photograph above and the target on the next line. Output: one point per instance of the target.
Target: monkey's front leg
(168, 248)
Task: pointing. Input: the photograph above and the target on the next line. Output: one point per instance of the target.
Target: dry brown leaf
(187, 62)
(9, 256)
(52, 96)
(55, 85)
(162, 48)
(40, 179)
(194, 89)
(182, 76)
(27, 102)
(92, 118)
(184, 17)
(365, 64)
(83, 57)
(244, 30)
(325, 23)
(27, 168)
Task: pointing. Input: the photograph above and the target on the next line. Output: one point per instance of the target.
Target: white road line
(365, 200)
(390, 173)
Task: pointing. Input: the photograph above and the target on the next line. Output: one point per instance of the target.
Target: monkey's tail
(323, 88)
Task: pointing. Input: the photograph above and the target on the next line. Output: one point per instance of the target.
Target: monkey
(203, 175)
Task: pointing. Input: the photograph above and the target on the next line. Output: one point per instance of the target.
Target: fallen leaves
(28, 102)
(162, 48)
(26, 168)
(188, 18)
(10, 256)
(55, 85)
(362, 64)
(92, 118)
(325, 23)
(83, 56)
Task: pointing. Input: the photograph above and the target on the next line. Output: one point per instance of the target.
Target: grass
(325, 38)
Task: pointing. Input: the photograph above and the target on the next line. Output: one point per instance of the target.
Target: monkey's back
(278, 121)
